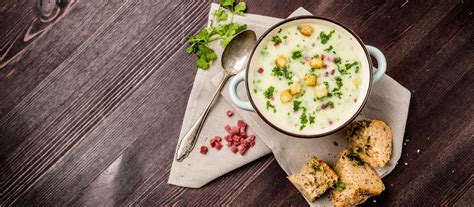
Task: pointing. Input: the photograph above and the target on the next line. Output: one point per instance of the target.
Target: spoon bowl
(238, 51)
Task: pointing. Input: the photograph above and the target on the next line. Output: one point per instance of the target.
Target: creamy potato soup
(306, 78)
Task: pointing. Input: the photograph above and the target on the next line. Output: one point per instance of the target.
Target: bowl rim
(318, 135)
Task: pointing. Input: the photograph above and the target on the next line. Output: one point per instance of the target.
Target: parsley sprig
(199, 43)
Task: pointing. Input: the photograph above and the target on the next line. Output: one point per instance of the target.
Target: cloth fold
(388, 101)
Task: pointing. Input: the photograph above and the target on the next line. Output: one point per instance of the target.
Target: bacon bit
(323, 107)
(325, 66)
(276, 45)
(322, 56)
(355, 100)
(306, 58)
(333, 72)
(234, 149)
(230, 113)
(330, 122)
(260, 70)
(218, 145)
(203, 150)
(217, 138)
(227, 128)
(251, 138)
(242, 150)
(236, 138)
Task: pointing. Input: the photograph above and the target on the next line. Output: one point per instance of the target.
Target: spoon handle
(187, 143)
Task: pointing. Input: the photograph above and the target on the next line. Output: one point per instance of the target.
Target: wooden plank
(92, 102)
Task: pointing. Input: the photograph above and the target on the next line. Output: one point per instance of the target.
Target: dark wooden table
(93, 94)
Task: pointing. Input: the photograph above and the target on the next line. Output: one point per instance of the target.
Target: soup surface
(307, 77)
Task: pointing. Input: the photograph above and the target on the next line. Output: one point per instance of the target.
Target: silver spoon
(234, 59)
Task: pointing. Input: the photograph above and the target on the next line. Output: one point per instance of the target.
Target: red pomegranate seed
(234, 149)
(229, 143)
(260, 70)
(252, 143)
(203, 150)
(213, 143)
(217, 138)
(230, 113)
(218, 145)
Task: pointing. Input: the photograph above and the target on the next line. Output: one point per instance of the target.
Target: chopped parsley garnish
(303, 119)
(315, 167)
(269, 106)
(276, 39)
(269, 92)
(355, 157)
(311, 119)
(282, 72)
(199, 43)
(296, 54)
(325, 37)
(339, 82)
(329, 48)
(347, 66)
(340, 186)
(285, 37)
(329, 104)
(296, 105)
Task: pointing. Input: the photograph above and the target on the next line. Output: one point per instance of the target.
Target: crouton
(285, 96)
(295, 88)
(372, 139)
(314, 179)
(357, 180)
(316, 62)
(310, 80)
(321, 91)
(281, 61)
(306, 30)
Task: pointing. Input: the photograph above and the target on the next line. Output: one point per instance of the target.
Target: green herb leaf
(303, 119)
(325, 37)
(311, 119)
(270, 106)
(329, 104)
(276, 39)
(340, 186)
(240, 8)
(296, 105)
(199, 43)
(355, 157)
(296, 54)
(269, 92)
(282, 72)
(329, 48)
(220, 14)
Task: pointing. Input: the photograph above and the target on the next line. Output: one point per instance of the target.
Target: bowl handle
(233, 92)
(381, 61)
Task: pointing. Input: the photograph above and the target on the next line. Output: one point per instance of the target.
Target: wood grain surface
(93, 94)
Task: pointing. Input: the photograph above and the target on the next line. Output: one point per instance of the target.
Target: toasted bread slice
(372, 140)
(314, 179)
(357, 180)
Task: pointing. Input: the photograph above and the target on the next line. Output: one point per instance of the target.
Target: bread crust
(360, 180)
(314, 179)
(372, 140)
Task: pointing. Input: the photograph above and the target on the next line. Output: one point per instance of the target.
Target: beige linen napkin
(389, 101)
